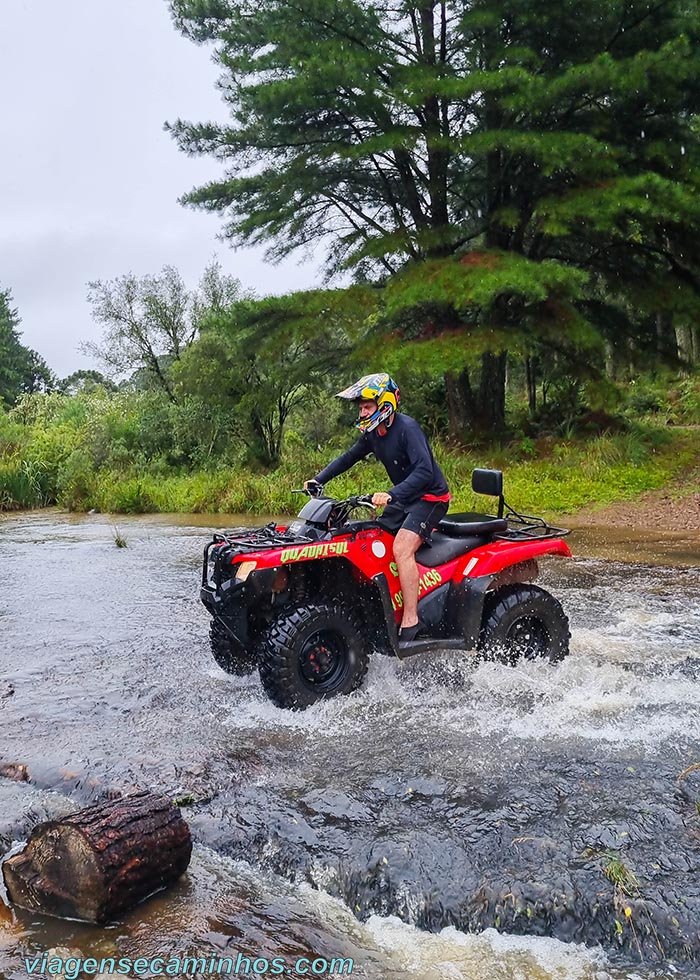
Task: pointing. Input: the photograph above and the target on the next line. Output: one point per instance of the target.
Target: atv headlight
(244, 569)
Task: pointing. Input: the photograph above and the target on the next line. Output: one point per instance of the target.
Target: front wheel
(524, 622)
(314, 652)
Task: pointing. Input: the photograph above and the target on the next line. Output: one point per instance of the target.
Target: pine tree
(517, 172)
(22, 370)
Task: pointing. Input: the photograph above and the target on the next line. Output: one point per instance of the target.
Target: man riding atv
(308, 601)
(419, 497)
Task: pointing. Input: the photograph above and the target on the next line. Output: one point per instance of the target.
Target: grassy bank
(553, 476)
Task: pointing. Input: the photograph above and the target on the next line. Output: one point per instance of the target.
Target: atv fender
(494, 557)
(465, 608)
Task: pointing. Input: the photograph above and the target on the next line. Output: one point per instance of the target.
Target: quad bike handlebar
(311, 489)
(341, 508)
(364, 500)
(315, 490)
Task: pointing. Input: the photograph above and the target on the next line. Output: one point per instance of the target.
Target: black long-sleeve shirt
(407, 458)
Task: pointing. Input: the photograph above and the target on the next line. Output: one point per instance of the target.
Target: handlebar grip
(313, 489)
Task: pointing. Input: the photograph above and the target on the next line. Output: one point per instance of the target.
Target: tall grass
(561, 478)
(24, 484)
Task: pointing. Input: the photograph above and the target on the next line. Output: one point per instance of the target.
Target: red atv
(307, 603)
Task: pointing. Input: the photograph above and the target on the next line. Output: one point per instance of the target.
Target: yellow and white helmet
(379, 388)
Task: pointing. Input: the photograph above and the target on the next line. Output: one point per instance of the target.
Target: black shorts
(421, 518)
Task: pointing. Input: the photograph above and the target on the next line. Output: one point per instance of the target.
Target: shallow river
(397, 826)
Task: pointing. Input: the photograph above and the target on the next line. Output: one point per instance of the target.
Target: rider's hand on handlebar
(313, 488)
(381, 499)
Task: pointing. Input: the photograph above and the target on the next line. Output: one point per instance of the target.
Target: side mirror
(489, 482)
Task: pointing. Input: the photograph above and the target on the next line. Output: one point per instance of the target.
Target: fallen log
(100, 861)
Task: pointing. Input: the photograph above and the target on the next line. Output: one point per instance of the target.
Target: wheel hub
(528, 638)
(323, 660)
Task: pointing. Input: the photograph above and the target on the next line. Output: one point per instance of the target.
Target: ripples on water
(115, 687)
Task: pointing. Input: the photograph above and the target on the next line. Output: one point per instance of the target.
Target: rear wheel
(313, 652)
(524, 622)
(229, 655)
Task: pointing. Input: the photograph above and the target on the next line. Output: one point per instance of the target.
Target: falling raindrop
(682, 151)
(643, 134)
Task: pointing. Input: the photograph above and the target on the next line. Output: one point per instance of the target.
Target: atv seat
(467, 525)
(444, 549)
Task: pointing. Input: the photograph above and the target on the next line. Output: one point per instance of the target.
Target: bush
(677, 401)
(23, 484)
(689, 401)
(77, 480)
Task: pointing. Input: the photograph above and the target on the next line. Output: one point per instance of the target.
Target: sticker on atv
(314, 551)
(427, 581)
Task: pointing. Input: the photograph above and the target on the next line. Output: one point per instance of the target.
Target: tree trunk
(610, 361)
(481, 414)
(531, 382)
(102, 860)
(490, 417)
(684, 343)
(665, 337)
(460, 403)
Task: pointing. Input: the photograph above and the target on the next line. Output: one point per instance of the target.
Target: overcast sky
(89, 180)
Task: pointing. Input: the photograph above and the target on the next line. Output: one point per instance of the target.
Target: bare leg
(406, 544)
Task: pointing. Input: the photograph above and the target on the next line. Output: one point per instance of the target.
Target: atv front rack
(243, 540)
(246, 539)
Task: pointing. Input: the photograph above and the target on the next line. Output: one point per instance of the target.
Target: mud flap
(391, 629)
(465, 608)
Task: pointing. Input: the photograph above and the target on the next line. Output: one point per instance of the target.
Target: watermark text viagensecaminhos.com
(75, 967)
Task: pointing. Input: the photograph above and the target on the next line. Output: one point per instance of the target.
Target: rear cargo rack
(523, 527)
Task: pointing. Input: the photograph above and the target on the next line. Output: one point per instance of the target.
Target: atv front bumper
(222, 593)
(229, 601)
(218, 599)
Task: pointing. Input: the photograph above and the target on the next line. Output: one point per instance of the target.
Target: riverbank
(673, 508)
(659, 526)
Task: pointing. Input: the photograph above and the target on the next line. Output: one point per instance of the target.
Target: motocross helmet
(377, 387)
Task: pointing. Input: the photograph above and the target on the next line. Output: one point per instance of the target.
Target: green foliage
(119, 539)
(25, 483)
(21, 369)
(514, 180)
(374, 130)
(117, 454)
(663, 397)
(621, 876)
(259, 360)
(689, 401)
(149, 321)
(476, 282)
(84, 380)
(77, 482)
